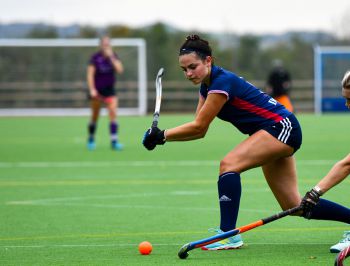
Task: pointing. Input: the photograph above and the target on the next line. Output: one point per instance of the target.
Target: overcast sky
(245, 16)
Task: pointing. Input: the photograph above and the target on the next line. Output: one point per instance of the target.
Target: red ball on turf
(145, 248)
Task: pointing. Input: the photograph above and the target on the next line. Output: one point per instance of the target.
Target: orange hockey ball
(145, 248)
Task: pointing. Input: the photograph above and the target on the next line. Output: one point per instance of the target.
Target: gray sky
(216, 15)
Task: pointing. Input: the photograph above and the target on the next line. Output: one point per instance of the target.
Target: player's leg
(95, 106)
(259, 149)
(282, 179)
(256, 150)
(112, 107)
(281, 176)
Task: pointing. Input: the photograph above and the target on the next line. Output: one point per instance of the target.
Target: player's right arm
(91, 81)
(200, 104)
(206, 112)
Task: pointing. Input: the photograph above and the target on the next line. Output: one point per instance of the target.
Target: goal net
(331, 63)
(48, 76)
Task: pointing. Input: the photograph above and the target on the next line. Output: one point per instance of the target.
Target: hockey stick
(158, 97)
(183, 253)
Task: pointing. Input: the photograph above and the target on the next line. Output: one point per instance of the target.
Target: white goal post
(138, 54)
(330, 65)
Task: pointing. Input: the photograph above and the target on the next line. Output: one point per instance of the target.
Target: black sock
(328, 210)
(113, 129)
(91, 130)
(229, 186)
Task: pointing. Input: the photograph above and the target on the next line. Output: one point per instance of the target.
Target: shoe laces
(215, 230)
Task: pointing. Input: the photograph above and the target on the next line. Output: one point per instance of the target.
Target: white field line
(127, 206)
(135, 206)
(53, 200)
(182, 163)
(131, 195)
(143, 234)
(72, 201)
(153, 244)
(57, 201)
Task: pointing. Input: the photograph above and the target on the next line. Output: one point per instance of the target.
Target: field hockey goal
(48, 76)
(331, 63)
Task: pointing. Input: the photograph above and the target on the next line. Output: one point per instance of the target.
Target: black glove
(152, 137)
(309, 202)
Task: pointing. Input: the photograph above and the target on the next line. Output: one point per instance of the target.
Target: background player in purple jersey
(101, 78)
(274, 136)
(337, 174)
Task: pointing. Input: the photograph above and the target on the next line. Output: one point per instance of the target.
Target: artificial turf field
(63, 205)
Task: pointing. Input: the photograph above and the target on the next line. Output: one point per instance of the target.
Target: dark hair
(195, 44)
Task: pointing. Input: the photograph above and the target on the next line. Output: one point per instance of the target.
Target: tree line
(246, 56)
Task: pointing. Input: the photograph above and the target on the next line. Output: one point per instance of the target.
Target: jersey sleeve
(203, 92)
(221, 86)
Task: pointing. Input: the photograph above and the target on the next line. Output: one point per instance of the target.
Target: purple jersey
(247, 108)
(105, 73)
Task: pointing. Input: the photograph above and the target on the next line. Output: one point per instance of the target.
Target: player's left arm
(206, 112)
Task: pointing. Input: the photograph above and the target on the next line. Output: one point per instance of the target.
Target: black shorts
(287, 131)
(107, 92)
(103, 93)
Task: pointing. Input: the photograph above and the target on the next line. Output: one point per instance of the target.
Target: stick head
(183, 252)
(158, 97)
(160, 72)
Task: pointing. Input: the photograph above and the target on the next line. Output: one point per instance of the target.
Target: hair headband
(196, 50)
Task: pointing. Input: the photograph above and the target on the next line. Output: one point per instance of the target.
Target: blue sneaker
(345, 242)
(117, 146)
(233, 242)
(91, 145)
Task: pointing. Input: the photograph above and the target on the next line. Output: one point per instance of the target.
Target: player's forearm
(91, 84)
(117, 64)
(90, 78)
(188, 131)
(337, 174)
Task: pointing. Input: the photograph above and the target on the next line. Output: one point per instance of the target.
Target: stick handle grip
(155, 119)
(281, 214)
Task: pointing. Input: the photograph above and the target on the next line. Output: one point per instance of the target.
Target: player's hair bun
(196, 44)
(193, 37)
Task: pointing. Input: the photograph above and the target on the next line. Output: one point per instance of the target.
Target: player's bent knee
(227, 166)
